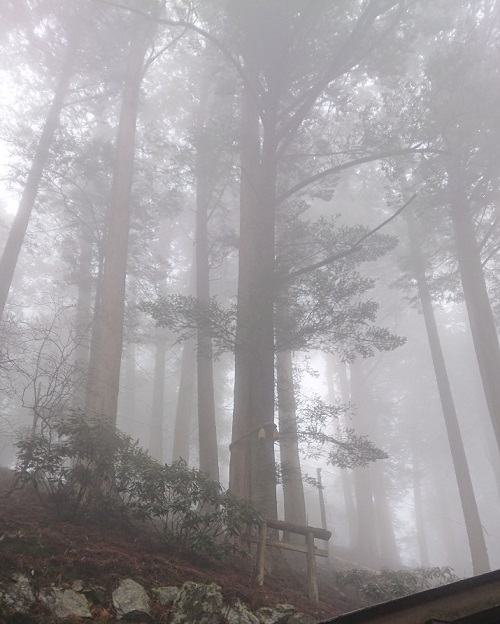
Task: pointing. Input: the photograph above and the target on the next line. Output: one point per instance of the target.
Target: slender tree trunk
(444, 518)
(184, 411)
(104, 378)
(423, 548)
(477, 301)
(389, 552)
(293, 487)
(345, 475)
(477, 544)
(128, 407)
(366, 539)
(366, 543)
(387, 545)
(17, 232)
(158, 408)
(252, 464)
(92, 358)
(207, 428)
(83, 318)
(84, 302)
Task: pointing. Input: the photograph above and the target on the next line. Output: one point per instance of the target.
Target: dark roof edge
(405, 602)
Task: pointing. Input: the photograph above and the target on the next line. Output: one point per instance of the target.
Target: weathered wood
(309, 548)
(312, 577)
(319, 552)
(300, 529)
(261, 553)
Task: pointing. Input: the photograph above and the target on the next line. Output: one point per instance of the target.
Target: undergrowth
(390, 584)
(89, 469)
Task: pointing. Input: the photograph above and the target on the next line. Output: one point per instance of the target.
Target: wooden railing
(308, 548)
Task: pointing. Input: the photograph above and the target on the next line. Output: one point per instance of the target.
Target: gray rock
(198, 603)
(166, 595)
(77, 586)
(131, 601)
(66, 602)
(240, 614)
(279, 614)
(19, 594)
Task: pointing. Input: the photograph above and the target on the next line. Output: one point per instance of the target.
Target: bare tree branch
(331, 171)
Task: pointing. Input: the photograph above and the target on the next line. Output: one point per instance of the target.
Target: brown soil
(51, 551)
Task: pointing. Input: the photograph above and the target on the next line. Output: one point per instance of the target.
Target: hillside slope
(52, 551)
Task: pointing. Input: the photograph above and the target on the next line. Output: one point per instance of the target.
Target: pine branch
(357, 246)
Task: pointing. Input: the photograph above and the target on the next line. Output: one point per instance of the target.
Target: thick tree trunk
(252, 465)
(207, 429)
(293, 487)
(184, 411)
(477, 544)
(158, 407)
(481, 318)
(17, 232)
(104, 377)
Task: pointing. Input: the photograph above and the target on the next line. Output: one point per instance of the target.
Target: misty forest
(262, 239)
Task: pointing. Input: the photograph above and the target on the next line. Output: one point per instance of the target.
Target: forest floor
(53, 552)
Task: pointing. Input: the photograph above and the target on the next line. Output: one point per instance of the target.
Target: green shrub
(189, 510)
(390, 584)
(83, 467)
(71, 464)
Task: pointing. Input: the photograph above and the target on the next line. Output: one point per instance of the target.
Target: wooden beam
(300, 529)
(319, 552)
(309, 548)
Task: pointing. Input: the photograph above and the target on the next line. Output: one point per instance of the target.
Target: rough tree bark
(104, 374)
(477, 544)
(270, 119)
(293, 487)
(252, 464)
(207, 428)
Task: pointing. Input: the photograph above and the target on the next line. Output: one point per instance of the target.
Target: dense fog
(262, 237)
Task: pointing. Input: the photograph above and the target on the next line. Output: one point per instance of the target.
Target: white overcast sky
(8, 200)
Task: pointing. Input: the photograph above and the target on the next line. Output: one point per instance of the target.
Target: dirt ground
(52, 551)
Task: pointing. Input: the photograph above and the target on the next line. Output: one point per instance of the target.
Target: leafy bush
(71, 464)
(390, 584)
(83, 467)
(189, 510)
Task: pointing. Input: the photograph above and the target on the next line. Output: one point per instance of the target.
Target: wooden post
(309, 548)
(322, 504)
(312, 577)
(261, 553)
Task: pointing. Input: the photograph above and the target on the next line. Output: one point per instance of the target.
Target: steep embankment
(51, 551)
